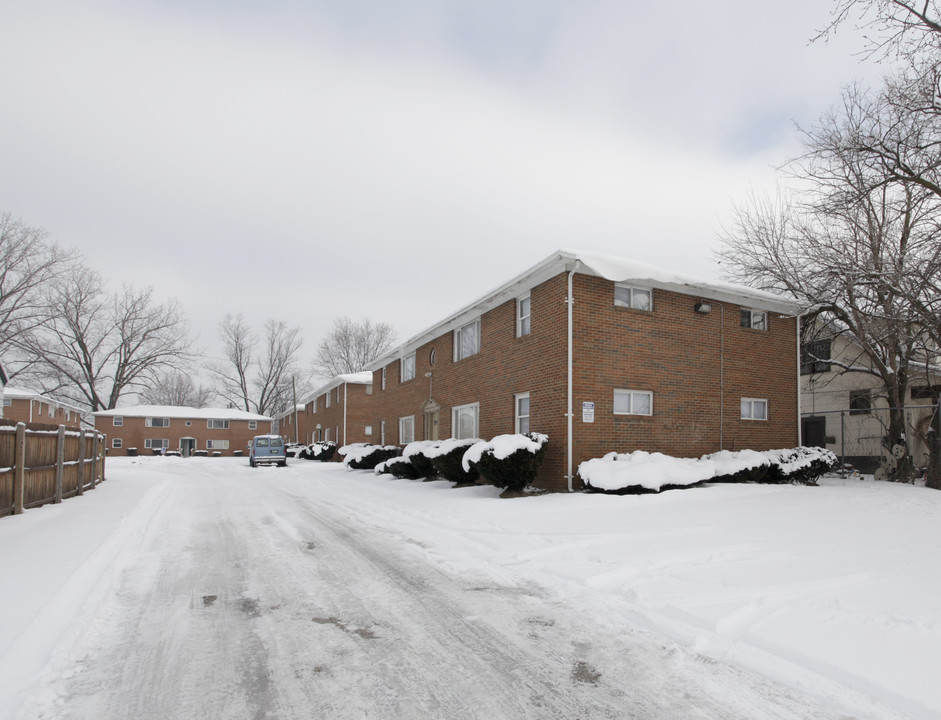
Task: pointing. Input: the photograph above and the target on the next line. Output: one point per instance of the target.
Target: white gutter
(570, 301)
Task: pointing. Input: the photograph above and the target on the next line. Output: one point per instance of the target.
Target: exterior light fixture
(703, 307)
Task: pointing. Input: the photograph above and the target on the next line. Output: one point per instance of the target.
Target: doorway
(187, 446)
(432, 412)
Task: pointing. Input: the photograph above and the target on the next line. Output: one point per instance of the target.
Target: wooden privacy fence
(42, 464)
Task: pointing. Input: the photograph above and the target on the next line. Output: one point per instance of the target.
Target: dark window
(860, 402)
(926, 392)
(814, 356)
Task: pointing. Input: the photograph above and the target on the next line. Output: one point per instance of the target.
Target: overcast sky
(302, 159)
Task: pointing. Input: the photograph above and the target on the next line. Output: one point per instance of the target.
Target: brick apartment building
(601, 354)
(145, 429)
(340, 411)
(28, 406)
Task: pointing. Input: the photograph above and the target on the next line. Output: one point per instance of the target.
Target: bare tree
(256, 372)
(350, 346)
(28, 261)
(91, 347)
(848, 247)
(177, 389)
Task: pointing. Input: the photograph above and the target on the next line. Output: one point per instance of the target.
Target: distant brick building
(339, 411)
(600, 354)
(146, 429)
(32, 407)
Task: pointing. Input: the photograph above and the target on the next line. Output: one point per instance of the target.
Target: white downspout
(344, 413)
(570, 301)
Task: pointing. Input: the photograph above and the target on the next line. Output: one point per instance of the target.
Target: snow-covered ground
(204, 588)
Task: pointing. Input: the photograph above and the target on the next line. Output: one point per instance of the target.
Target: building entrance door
(432, 413)
(187, 446)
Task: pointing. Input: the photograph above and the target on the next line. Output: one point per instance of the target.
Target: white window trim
(632, 393)
(217, 444)
(117, 443)
(454, 419)
(328, 401)
(210, 426)
(751, 409)
(383, 379)
(633, 288)
(520, 317)
(458, 346)
(402, 364)
(117, 421)
(382, 432)
(149, 443)
(516, 412)
(253, 424)
(402, 421)
(164, 422)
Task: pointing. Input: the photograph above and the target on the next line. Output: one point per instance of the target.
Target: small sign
(588, 412)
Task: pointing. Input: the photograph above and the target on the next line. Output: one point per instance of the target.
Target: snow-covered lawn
(834, 591)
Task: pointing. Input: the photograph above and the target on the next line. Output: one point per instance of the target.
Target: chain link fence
(861, 438)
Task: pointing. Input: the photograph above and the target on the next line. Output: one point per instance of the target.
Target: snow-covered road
(315, 592)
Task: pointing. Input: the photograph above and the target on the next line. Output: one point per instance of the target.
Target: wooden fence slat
(60, 463)
(81, 462)
(19, 468)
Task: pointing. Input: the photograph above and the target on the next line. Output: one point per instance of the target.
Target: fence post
(81, 461)
(19, 469)
(60, 463)
(94, 460)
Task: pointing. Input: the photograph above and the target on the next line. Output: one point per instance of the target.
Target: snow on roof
(16, 393)
(180, 411)
(609, 267)
(359, 378)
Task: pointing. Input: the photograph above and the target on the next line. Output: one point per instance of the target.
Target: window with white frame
(327, 434)
(217, 444)
(465, 421)
(633, 402)
(156, 443)
(406, 430)
(327, 402)
(522, 413)
(367, 430)
(252, 424)
(382, 432)
(214, 424)
(523, 312)
(629, 296)
(467, 340)
(382, 385)
(117, 421)
(754, 409)
(117, 443)
(156, 422)
(7, 402)
(754, 319)
(407, 368)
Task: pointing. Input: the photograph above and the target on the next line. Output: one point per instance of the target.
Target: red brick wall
(358, 415)
(671, 351)
(133, 433)
(19, 410)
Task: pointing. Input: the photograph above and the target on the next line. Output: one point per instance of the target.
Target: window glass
(467, 340)
(754, 409)
(754, 319)
(406, 430)
(522, 413)
(633, 402)
(464, 421)
(523, 306)
(633, 297)
(117, 421)
(408, 368)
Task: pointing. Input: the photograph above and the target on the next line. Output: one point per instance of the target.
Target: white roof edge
(359, 378)
(181, 412)
(608, 267)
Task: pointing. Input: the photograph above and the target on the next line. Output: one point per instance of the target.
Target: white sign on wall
(588, 412)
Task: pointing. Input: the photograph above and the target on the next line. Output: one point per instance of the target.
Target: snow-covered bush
(448, 459)
(400, 467)
(802, 465)
(322, 450)
(416, 452)
(639, 471)
(508, 461)
(363, 456)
